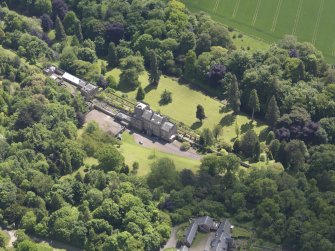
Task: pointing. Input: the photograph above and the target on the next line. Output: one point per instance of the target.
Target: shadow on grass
(126, 87)
(247, 126)
(149, 88)
(228, 120)
(224, 109)
(196, 125)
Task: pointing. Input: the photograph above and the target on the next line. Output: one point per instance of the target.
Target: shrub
(185, 146)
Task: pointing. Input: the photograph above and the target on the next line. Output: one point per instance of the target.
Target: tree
(190, 62)
(78, 31)
(110, 158)
(200, 113)
(154, 73)
(114, 33)
(249, 143)
(4, 239)
(131, 67)
(46, 23)
(216, 73)
(60, 32)
(163, 174)
(206, 138)
(217, 131)
(187, 42)
(272, 113)
(70, 21)
(166, 97)
(112, 55)
(140, 93)
(203, 43)
(59, 8)
(42, 7)
(253, 103)
(102, 82)
(234, 96)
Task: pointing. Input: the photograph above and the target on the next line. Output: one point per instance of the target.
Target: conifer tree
(200, 113)
(112, 56)
(272, 113)
(234, 96)
(60, 32)
(78, 31)
(140, 94)
(253, 103)
(154, 73)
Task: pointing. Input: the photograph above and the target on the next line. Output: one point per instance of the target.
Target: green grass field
(183, 107)
(270, 20)
(145, 156)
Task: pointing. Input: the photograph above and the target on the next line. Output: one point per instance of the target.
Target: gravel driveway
(163, 146)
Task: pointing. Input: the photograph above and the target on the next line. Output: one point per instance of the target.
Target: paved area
(106, 123)
(163, 146)
(172, 242)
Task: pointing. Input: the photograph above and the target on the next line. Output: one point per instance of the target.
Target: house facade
(146, 120)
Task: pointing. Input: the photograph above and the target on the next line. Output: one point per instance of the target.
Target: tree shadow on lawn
(196, 125)
(246, 127)
(228, 120)
(126, 87)
(224, 109)
(149, 88)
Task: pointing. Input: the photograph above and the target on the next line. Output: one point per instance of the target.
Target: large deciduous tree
(59, 8)
(131, 67)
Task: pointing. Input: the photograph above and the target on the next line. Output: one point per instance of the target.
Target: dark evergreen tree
(200, 113)
(78, 31)
(272, 113)
(46, 23)
(112, 56)
(140, 93)
(59, 8)
(60, 32)
(154, 73)
(234, 96)
(253, 103)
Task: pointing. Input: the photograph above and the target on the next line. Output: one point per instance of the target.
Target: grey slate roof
(206, 220)
(222, 236)
(167, 126)
(89, 87)
(157, 119)
(147, 114)
(191, 232)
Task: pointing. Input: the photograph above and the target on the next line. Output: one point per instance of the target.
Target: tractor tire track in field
(297, 17)
(333, 49)
(259, 2)
(274, 23)
(216, 5)
(316, 28)
(237, 5)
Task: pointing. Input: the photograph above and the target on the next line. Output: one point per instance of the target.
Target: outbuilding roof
(191, 232)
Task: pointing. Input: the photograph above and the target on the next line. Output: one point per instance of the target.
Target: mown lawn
(145, 156)
(270, 20)
(184, 103)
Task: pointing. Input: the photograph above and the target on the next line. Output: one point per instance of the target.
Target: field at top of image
(270, 20)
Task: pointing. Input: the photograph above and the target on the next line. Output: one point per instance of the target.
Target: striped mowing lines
(316, 28)
(237, 5)
(274, 23)
(254, 18)
(297, 17)
(216, 5)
